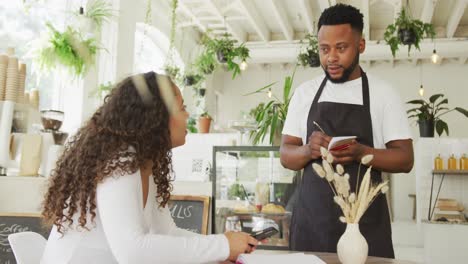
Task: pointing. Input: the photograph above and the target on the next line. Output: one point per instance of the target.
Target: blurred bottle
(452, 163)
(438, 163)
(464, 162)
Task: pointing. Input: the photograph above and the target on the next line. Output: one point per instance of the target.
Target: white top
(389, 121)
(125, 232)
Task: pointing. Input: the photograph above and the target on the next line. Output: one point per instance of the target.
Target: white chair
(27, 247)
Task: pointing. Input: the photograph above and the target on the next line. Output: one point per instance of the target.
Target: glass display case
(252, 191)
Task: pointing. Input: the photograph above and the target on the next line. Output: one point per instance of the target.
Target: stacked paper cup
(3, 75)
(12, 80)
(21, 83)
(34, 98)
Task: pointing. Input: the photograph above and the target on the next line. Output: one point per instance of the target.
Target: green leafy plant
(309, 55)
(407, 31)
(102, 89)
(206, 115)
(99, 11)
(432, 111)
(206, 63)
(192, 125)
(172, 71)
(270, 116)
(69, 49)
(226, 51)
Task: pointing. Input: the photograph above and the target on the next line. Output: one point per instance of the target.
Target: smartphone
(265, 233)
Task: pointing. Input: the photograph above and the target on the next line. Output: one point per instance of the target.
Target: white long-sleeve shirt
(128, 232)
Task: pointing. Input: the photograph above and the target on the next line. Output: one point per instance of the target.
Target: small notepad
(340, 143)
(296, 258)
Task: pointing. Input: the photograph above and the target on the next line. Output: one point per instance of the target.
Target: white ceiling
(272, 29)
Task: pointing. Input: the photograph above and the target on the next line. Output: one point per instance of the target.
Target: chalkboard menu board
(15, 223)
(190, 212)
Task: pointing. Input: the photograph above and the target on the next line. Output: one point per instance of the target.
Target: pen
(315, 123)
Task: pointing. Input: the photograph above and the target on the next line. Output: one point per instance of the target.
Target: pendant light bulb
(269, 93)
(421, 90)
(243, 65)
(435, 57)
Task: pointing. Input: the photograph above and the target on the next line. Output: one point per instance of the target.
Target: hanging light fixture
(435, 57)
(421, 90)
(243, 66)
(269, 93)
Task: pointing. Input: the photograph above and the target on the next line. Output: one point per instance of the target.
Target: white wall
(448, 78)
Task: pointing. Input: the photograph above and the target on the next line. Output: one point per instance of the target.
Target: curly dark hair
(342, 14)
(100, 149)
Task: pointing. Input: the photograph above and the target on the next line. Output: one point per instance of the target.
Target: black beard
(346, 73)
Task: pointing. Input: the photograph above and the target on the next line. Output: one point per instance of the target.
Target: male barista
(344, 102)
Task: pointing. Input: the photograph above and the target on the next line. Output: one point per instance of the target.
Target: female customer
(107, 198)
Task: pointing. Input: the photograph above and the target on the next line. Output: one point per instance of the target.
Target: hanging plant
(309, 55)
(226, 52)
(205, 63)
(407, 31)
(99, 12)
(67, 48)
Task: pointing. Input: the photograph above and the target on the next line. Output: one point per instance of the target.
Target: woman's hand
(240, 242)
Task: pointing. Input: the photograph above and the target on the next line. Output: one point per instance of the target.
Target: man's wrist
(365, 150)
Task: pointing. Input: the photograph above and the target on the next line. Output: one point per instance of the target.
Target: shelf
(455, 172)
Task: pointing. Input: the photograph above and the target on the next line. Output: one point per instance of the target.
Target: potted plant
(226, 51)
(191, 125)
(309, 54)
(204, 122)
(68, 48)
(407, 31)
(428, 114)
(192, 79)
(205, 63)
(270, 116)
(172, 71)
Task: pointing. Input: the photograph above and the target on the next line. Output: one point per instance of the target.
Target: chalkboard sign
(190, 212)
(15, 223)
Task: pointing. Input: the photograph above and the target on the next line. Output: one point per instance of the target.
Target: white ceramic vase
(352, 247)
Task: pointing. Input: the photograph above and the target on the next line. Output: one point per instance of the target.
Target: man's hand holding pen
(316, 140)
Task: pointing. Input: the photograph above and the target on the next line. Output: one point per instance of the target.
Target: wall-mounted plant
(407, 31)
(68, 48)
(309, 55)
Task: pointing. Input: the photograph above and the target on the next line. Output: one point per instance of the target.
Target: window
(151, 50)
(21, 22)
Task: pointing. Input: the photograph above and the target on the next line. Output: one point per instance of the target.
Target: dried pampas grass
(353, 205)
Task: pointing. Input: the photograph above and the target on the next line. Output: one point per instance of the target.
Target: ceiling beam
(365, 12)
(455, 17)
(192, 17)
(282, 17)
(323, 4)
(238, 33)
(282, 53)
(307, 14)
(428, 11)
(255, 19)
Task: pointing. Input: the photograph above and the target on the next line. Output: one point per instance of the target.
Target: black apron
(315, 224)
